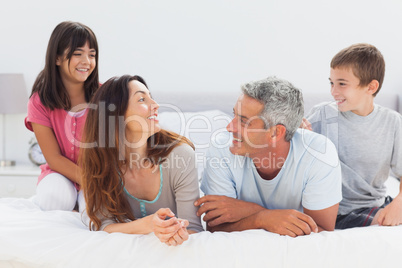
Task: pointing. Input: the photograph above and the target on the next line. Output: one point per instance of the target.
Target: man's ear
(277, 133)
(373, 86)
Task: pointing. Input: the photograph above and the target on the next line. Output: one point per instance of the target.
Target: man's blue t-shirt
(310, 176)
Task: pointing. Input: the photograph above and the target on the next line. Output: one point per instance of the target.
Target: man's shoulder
(316, 146)
(304, 136)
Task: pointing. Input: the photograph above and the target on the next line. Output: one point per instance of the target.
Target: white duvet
(30, 237)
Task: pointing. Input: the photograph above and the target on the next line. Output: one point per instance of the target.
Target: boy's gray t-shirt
(368, 147)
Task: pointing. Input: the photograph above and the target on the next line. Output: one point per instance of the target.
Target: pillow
(200, 127)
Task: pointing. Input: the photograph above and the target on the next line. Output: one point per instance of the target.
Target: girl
(137, 177)
(57, 113)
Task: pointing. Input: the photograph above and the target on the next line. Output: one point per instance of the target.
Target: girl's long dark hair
(66, 36)
(100, 161)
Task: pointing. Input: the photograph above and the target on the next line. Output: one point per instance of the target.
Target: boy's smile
(348, 94)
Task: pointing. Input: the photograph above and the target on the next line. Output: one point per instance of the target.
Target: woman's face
(141, 117)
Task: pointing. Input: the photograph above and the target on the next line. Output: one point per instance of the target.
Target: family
(90, 133)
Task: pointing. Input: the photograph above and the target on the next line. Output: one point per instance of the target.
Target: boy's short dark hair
(366, 61)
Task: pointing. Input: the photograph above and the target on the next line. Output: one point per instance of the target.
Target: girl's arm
(51, 151)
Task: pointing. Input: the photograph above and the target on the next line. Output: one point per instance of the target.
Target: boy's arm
(391, 215)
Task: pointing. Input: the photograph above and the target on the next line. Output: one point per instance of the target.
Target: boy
(368, 138)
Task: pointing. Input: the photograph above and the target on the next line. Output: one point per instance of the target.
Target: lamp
(13, 100)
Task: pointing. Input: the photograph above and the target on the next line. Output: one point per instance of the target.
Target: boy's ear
(373, 86)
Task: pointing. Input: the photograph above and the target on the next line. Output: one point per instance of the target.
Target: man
(273, 176)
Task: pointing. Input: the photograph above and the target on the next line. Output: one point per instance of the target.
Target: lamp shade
(13, 94)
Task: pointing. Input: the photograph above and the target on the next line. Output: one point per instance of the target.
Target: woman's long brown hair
(100, 160)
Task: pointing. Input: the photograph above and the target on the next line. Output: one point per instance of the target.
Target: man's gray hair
(283, 103)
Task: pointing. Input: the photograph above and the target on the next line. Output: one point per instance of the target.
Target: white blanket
(30, 237)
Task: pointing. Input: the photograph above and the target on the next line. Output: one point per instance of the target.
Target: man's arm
(221, 209)
(228, 214)
(325, 218)
(323, 191)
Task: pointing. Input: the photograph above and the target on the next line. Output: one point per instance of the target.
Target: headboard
(202, 101)
(196, 101)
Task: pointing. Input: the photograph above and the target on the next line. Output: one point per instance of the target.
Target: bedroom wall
(210, 45)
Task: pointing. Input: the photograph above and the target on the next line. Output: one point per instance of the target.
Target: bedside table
(18, 181)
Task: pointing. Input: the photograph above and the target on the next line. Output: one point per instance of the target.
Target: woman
(137, 177)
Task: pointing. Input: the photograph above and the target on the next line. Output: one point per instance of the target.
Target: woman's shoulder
(179, 168)
(181, 157)
(183, 149)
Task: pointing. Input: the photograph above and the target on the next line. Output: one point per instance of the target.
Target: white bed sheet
(30, 237)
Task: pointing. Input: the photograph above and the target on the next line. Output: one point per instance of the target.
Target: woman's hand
(164, 228)
(180, 236)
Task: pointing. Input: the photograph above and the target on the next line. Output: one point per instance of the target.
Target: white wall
(209, 45)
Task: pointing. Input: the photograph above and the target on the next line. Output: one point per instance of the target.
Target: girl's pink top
(67, 128)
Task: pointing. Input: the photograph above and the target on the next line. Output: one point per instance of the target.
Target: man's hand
(221, 209)
(391, 215)
(286, 222)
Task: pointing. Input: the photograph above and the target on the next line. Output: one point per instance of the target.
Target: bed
(30, 237)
